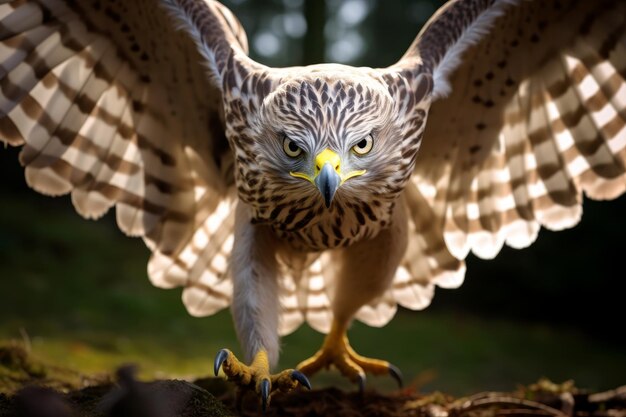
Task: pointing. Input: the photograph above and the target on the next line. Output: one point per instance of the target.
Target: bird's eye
(290, 147)
(364, 146)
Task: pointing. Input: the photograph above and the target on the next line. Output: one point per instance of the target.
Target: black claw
(265, 393)
(221, 356)
(301, 378)
(361, 383)
(396, 374)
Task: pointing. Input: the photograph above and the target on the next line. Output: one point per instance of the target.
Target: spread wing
(529, 111)
(119, 104)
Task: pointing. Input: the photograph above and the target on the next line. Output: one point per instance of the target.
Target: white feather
(185, 21)
(453, 57)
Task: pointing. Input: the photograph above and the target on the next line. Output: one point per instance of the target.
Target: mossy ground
(74, 394)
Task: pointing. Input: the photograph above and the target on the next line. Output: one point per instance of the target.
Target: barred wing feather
(536, 115)
(113, 104)
(528, 112)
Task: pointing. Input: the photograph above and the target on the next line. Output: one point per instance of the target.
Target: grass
(78, 293)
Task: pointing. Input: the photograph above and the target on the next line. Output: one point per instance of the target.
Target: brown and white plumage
(498, 117)
(95, 93)
(538, 112)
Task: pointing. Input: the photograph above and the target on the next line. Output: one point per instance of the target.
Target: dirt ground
(29, 388)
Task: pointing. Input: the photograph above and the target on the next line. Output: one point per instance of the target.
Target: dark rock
(41, 402)
(168, 398)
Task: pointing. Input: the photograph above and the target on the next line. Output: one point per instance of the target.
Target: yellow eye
(290, 148)
(364, 146)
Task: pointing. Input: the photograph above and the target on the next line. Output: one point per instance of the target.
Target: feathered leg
(366, 271)
(255, 312)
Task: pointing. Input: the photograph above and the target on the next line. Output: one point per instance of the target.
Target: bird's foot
(336, 351)
(256, 376)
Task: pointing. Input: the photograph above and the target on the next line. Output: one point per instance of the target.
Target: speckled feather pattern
(322, 111)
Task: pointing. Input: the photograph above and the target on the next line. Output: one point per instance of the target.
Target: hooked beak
(327, 175)
(327, 181)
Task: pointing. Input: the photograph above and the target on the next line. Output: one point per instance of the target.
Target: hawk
(317, 194)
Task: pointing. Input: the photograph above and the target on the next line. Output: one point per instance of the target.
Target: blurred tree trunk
(314, 42)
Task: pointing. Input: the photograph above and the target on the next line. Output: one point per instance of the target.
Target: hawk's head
(331, 136)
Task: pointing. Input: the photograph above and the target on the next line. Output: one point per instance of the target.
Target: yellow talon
(257, 375)
(336, 351)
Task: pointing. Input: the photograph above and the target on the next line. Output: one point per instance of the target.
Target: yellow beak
(327, 157)
(327, 175)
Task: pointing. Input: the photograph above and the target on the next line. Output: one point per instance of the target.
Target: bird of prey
(318, 194)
